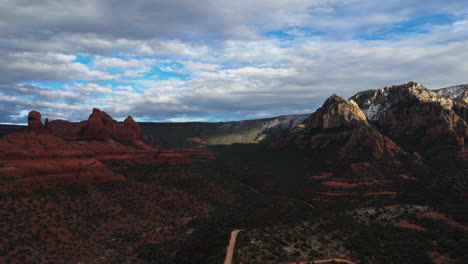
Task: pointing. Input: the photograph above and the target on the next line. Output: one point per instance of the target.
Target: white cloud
(194, 66)
(222, 59)
(29, 66)
(110, 63)
(90, 87)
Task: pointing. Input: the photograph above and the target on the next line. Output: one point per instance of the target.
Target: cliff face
(417, 118)
(409, 106)
(336, 112)
(175, 135)
(360, 161)
(341, 123)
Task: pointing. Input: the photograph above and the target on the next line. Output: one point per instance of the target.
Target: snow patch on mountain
(374, 112)
(452, 92)
(375, 106)
(285, 122)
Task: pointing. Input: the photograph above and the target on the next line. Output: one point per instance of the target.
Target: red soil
(406, 224)
(439, 216)
(392, 206)
(197, 154)
(439, 258)
(173, 157)
(334, 193)
(84, 226)
(406, 177)
(338, 184)
(322, 175)
(379, 193)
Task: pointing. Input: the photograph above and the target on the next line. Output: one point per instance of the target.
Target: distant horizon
(120, 119)
(219, 60)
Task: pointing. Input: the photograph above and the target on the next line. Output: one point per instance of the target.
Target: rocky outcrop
(340, 139)
(35, 123)
(336, 112)
(417, 118)
(340, 122)
(377, 105)
(133, 129)
(65, 153)
(463, 98)
(101, 126)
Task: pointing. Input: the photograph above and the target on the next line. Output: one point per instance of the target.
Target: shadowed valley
(377, 178)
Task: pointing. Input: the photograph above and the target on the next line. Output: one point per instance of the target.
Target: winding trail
(230, 247)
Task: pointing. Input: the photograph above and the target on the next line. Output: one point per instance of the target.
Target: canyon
(356, 181)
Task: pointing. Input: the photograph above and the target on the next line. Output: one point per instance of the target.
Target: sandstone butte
(60, 152)
(341, 127)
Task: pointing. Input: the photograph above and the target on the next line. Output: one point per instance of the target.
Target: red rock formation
(59, 154)
(65, 129)
(133, 128)
(101, 126)
(35, 123)
(30, 161)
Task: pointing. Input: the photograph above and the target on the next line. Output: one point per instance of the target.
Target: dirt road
(230, 247)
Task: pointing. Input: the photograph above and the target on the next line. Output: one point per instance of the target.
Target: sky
(216, 60)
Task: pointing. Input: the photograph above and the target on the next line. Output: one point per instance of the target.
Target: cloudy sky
(209, 60)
